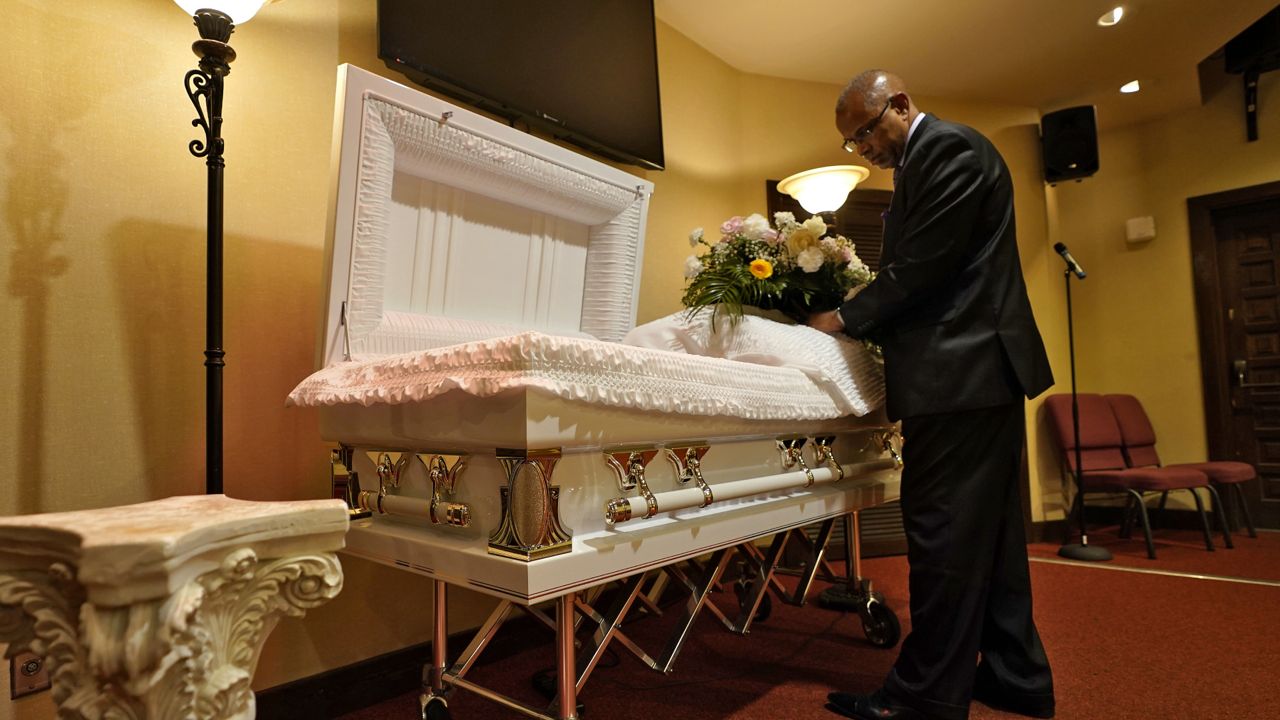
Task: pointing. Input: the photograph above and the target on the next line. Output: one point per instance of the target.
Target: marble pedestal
(159, 610)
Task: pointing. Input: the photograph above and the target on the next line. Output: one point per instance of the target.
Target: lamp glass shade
(240, 11)
(823, 189)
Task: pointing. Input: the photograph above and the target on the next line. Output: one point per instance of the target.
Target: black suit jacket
(949, 306)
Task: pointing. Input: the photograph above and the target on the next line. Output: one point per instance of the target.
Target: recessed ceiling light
(1130, 87)
(1111, 17)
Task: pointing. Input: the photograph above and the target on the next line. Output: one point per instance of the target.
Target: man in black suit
(961, 351)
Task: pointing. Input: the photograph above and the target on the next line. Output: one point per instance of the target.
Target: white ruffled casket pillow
(591, 371)
(758, 370)
(843, 367)
(403, 332)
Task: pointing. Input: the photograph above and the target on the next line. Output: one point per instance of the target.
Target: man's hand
(827, 322)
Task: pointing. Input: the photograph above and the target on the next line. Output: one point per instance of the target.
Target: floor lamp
(216, 20)
(1081, 550)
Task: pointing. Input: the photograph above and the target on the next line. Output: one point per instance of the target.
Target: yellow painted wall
(1135, 314)
(103, 216)
(702, 139)
(103, 213)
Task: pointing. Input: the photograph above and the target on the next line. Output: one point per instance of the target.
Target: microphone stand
(1082, 550)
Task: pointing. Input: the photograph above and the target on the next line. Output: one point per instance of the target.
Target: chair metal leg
(1161, 516)
(1231, 508)
(1126, 518)
(1204, 520)
(1221, 512)
(1244, 508)
(1146, 524)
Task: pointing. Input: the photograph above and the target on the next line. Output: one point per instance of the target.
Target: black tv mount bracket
(1251, 102)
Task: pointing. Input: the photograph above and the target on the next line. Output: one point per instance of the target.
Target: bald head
(874, 115)
(869, 91)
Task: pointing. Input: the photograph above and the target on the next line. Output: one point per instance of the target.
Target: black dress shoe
(876, 706)
(1036, 706)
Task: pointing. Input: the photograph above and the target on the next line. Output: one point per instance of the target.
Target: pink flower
(732, 226)
(770, 236)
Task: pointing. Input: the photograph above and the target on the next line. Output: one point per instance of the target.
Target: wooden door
(1236, 254)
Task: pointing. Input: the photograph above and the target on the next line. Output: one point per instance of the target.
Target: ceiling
(1046, 54)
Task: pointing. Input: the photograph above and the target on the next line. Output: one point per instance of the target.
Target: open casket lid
(445, 223)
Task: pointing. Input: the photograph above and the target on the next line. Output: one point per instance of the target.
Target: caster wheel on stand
(880, 624)
(434, 707)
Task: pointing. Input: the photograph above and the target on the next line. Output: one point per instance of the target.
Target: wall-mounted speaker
(1069, 141)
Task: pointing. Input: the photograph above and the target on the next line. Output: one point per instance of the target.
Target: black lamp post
(216, 21)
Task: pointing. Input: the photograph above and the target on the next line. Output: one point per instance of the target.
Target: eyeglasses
(864, 132)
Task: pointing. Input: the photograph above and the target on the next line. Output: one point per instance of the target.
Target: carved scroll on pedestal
(120, 643)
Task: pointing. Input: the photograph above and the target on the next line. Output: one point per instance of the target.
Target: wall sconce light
(823, 189)
(216, 20)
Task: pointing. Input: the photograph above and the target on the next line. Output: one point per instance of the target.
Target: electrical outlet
(28, 674)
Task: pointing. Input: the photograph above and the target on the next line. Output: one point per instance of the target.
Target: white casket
(479, 281)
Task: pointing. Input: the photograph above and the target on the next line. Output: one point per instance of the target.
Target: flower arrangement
(794, 267)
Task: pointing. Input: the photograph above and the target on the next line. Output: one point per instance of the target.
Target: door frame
(1208, 301)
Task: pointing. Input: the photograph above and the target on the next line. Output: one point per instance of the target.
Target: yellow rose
(800, 239)
(761, 268)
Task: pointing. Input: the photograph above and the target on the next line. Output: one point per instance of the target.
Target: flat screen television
(585, 71)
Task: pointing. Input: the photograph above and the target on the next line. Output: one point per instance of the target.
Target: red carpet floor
(1183, 551)
(1123, 646)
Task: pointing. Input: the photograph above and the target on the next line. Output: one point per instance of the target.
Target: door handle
(1240, 367)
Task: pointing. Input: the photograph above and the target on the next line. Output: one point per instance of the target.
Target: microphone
(1072, 265)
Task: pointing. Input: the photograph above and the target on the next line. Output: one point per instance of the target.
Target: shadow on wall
(270, 317)
(34, 220)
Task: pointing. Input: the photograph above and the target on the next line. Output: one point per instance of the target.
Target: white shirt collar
(910, 131)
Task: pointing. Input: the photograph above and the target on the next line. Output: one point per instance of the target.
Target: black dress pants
(969, 581)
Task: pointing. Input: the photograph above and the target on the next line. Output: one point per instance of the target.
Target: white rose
(810, 260)
(692, 266)
(815, 225)
(695, 237)
(800, 240)
(755, 226)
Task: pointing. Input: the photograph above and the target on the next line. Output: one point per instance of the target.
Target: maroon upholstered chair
(1140, 449)
(1104, 468)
